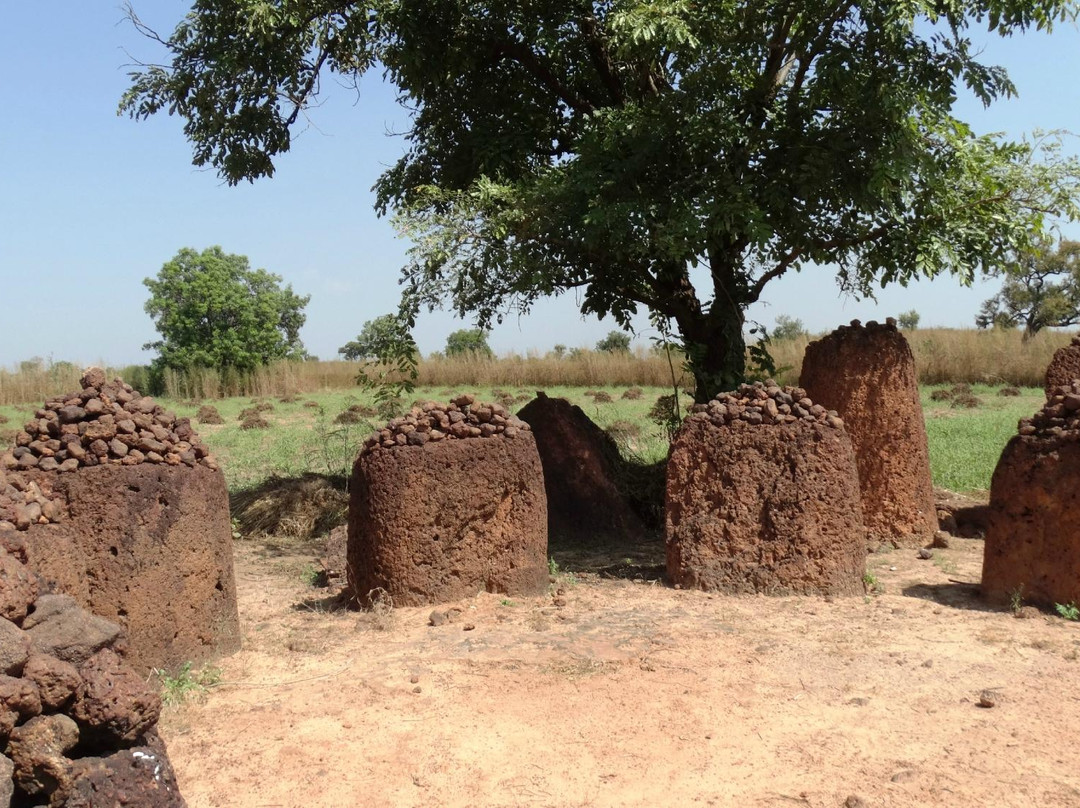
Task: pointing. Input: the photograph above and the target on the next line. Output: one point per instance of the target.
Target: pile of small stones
(25, 502)
(77, 725)
(765, 403)
(1059, 419)
(107, 422)
(461, 418)
(872, 325)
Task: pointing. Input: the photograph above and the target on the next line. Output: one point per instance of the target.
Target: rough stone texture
(59, 628)
(141, 777)
(75, 738)
(432, 422)
(113, 706)
(441, 521)
(584, 504)
(149, 547)
(1064, 368)
(18, 587)
(37, 749)
(769, 508)
(14, 648)
(867, 374)
(55, 679)
(7, 785)
(1033, 529)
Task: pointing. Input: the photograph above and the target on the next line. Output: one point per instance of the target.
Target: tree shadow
(954, 594)
(634, 559)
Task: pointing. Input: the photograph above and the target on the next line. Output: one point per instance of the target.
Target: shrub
(254, 421)
(1009, 391)
(966, 401)
(633, 394)
(909, 320)
(941, 395)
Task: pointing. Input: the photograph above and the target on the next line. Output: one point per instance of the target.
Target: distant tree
(788, 328)
(468, 342)
(614, 342)
(909, 320)
(377, 339)
(1041, 289)
(559, 351)
(212, 310)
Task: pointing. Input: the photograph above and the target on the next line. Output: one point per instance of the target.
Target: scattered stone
(1027, 613)
(113, 706)
(70, 634)
(904, 776)
(468, 627)
(437, 618)
(868, 375)
(925, 554)
(988, 699)
(461, 418)
(941, 541)
(764, 497)
(37, 749)
(855, 801)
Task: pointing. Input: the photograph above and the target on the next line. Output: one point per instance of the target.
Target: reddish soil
(632, 693)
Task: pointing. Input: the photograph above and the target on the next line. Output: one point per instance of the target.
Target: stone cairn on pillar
(1063, 368)
(126, 511)
(763, 496)
(1033, 528)
(867, 374)
(446, 501)
(77, 725)
(106, 422)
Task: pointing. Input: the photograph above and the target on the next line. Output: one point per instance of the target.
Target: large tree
(1041, 289)
(672, 154)
(378, 339)
(212, 310)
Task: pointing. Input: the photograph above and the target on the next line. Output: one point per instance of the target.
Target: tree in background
(377, 339)
(614, 342)
(212, 310)
(469, 342)
(909, 320)
(1041, 290)
(612, 147)
(788, 328)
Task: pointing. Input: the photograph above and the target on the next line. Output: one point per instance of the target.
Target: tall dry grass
(941, 356)
(951, 355)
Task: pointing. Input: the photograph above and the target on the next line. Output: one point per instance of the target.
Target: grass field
(964, 443)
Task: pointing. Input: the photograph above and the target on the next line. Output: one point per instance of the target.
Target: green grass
(965, 444)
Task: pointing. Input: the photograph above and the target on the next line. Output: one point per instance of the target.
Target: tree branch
(524, 56)
(601, 60)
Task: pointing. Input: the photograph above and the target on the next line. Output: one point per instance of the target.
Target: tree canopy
(1041, 289)
(614, 342)
(378, 338)
(468, 342)
(669, 154)
(212, 310)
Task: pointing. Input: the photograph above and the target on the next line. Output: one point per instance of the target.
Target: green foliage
(614, 342)
(212, 310)
(559, 351)
(469, 342)
(1041, 290)
(185, 684)
(611, 147)
(788, 328)
(378, 339)
(1069, 611)
(909, 320)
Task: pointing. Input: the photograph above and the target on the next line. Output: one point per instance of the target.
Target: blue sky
(92, 203)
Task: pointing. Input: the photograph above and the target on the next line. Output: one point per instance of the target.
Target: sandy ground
(627, 692)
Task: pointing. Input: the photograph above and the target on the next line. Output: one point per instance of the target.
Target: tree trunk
(716, 355)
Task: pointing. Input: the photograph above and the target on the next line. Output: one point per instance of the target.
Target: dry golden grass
(941, 356)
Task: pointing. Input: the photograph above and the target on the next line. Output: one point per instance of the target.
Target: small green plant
(1069, 612)
(507, 602)
(186, 684)
(1016, 599)
(310, 575)
(553, 567)
(873, 586)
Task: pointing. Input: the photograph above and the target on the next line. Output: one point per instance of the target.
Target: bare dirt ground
(622, 691)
